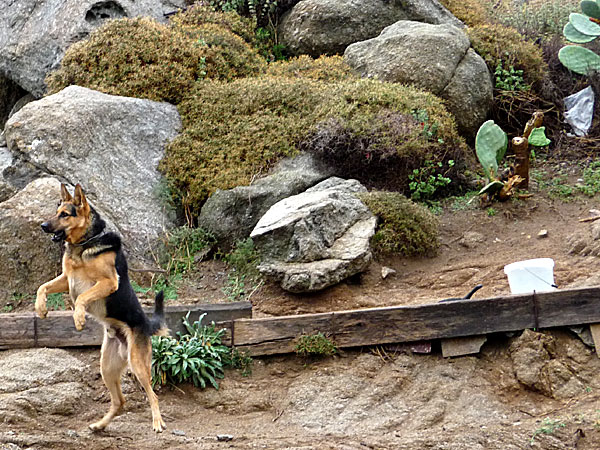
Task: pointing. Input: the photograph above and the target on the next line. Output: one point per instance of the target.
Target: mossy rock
(143, 58)
(236, 131)
(500, 44)
(404, 228)
(324, 68)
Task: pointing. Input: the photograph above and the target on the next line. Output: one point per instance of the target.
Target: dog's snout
(46, 227)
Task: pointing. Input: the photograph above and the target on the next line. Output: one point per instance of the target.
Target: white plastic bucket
(525, 277)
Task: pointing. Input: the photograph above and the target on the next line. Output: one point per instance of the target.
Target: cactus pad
(583, 24)
(490, 146)
(579, 59)
(575, 36)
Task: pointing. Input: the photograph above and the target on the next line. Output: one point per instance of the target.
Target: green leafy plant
(591, 179)
(198, 357)
(491, 212)
(315, 345)
(429, 128)
(183, 246)
(538, 138)
(548, 426)
(582, 28)
(55, 302)
(244, 279)
(168, 286)
(510, 79)
(242, 361)
(426, 181)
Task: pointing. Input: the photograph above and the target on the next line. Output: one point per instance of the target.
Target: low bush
(471, 12)
(234, 131)
(324, 68)
(504, 46)
(404, 227)
(198, 357)
(145, 59)
(315, 345)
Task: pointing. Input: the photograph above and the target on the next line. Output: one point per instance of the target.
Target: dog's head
(72, 216)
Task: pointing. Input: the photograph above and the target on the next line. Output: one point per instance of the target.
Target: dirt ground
(535, 390)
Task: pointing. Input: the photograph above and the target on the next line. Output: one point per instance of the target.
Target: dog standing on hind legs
(94, 272)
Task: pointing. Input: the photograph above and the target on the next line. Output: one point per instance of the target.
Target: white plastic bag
(580, 111)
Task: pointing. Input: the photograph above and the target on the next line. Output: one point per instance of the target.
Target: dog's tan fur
(90, 276)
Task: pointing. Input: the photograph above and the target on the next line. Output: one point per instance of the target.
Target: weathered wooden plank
(595, 330)
(57, 330)
(422, 322)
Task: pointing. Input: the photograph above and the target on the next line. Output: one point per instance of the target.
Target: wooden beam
(373, 326)
(19, 330)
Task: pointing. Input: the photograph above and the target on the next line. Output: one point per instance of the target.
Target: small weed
(15, 300)
(429, 129)
(241, 361)
(509, 79)
(464, 202)
(491, 212)
(549, 426)
(244, 278)
(55, 302)
(426, 181)
(139, 289)
(315, 345)
(169, 287)
(183, 246)
(556, 186)
(591, 180)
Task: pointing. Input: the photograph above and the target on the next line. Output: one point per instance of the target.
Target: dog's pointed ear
(64, 193)
(79, 199)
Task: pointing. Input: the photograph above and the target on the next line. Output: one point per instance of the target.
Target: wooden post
(520, 147)
(595, 330)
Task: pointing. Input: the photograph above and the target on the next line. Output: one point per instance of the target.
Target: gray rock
(315, 239)
(7, 190)
(232, 214)
(436, 58)
(327, 27)
(35, 34)
(109, 144)
(40, 382)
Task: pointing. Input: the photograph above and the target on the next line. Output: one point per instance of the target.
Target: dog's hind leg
(140, 361)
(113, 360)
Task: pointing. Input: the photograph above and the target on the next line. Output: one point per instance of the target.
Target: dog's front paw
(40, 305)
(79, 318)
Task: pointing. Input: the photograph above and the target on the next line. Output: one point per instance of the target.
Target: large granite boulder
(230, 215)
(327, 27)
(7, 190)
(35, 34)
(316, 239)
(109, 144)
(436, 58)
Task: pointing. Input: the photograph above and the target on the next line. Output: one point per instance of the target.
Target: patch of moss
(145, 59)
(324, 68)
(404, 227)
(235, 131)
(498, 44)
(471, 12)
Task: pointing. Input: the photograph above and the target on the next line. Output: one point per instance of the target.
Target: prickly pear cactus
(581, 29)
(490, 146)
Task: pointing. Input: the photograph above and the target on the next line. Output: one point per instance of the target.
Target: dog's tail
(157, 322)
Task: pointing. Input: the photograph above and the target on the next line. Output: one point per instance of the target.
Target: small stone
(224, 437)
(595, 212)
(543, 234)
(178, 432)
(386, 272)
(72, 434)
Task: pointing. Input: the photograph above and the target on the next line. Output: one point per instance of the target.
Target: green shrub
(135, 58)
(145, 59)
(471, 12)
(199, 14)
(315, 345)
(198, 357)
(181, 247)
(505, 46)
(404, 227)
(233, 131)
(244, 278)
(324, 68)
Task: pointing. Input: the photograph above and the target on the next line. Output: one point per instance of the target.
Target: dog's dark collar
(92, 239)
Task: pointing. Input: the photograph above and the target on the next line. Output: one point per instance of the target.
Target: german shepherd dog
(95, 275)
